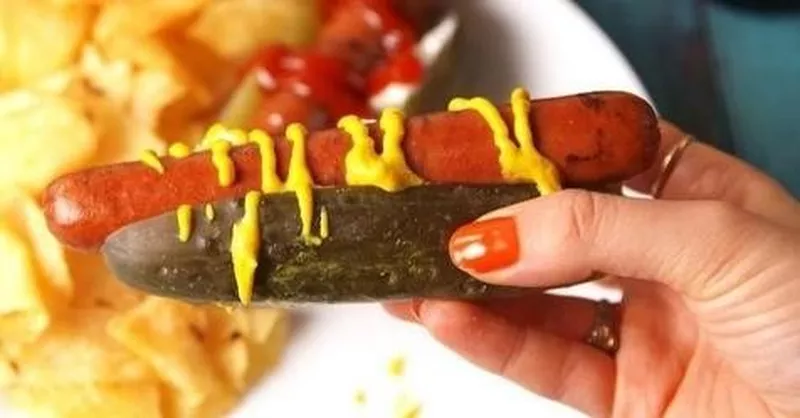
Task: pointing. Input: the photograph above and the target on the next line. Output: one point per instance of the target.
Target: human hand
(709, 324)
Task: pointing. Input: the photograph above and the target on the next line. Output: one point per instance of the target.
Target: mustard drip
(518, 163)
(324, 228)
(245, 242)
(184, 214)
(541, 170)
(222, 161)
(178, 150)
(209, 210)
(299, 180)
(150, 159)
(270, 183)
(365, 167)
(218, 132)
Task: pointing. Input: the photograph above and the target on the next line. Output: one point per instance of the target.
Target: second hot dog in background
(368, 55)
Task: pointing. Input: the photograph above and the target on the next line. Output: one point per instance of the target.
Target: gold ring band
(604, 334)
(668, 166)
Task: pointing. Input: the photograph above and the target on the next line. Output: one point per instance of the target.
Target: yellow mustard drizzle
(218, 132)
(270, 183)
(184, 215)
(364, 167)
(299, 180)
(209, 211)
(245, 241)
(324, 228)
(178, 150)
(222, 161)
(518, 163)
(150, 159)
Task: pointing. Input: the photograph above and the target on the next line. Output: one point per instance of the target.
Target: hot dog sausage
(592, 139)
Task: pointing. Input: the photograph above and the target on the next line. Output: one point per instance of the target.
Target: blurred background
(726, 70)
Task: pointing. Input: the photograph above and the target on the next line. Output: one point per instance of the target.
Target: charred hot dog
(591, 139)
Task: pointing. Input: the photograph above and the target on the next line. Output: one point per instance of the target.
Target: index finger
(704, 173)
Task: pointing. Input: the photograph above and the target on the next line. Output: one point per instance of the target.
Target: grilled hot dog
(591, 139)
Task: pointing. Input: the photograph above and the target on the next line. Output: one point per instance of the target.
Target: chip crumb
(397, 366)
(360, 397)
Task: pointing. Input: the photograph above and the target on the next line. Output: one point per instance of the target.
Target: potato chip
(76, 349)
(246, 342)
(113, 79)
(60, 83)
(217, 74)
(90, 400)
(120, 137)
(237, 28)
(258, 324)
(177, 405)
(169, 335)
(23, 311)
(142, 17)
(41, 137)
(264, 355)
(23, 214)
(28, 48)
(228, 347)
(150, 53)
(234, 360)
(88, 82)
(153, 91)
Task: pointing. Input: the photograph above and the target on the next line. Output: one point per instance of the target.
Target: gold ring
(604, 334)
(668, 165)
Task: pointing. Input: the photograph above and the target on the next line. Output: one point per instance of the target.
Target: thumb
(692, 246)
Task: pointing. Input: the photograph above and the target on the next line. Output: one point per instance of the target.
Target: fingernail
(485, 246)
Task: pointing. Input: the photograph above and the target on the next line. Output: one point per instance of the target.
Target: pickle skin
(382, 246)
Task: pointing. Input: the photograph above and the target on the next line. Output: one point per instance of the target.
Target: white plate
(548, 46)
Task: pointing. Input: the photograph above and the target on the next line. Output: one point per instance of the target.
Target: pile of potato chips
(87, 82)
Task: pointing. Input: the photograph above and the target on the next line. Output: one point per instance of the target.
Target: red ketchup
(401, 64)
(322, 78)
(327, 81)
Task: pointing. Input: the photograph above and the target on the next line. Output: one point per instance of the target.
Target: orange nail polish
(485, 246)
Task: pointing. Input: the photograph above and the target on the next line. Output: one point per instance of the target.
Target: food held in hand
(392, 191)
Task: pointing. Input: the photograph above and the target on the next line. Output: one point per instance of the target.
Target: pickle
(379, 246)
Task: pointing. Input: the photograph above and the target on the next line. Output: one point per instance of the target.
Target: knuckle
(582, 216)
(721, 215)
(726, 240)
